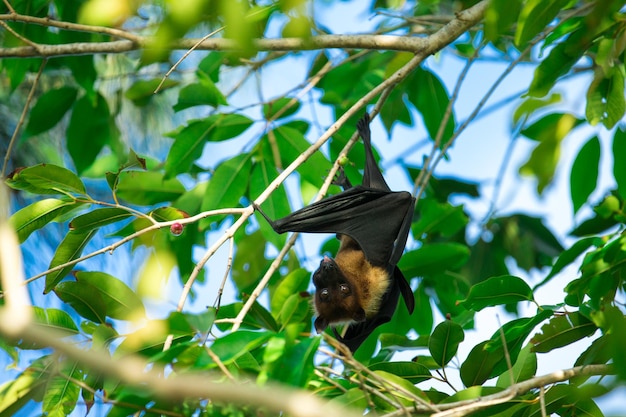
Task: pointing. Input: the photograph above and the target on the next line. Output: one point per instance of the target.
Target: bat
(362, 284)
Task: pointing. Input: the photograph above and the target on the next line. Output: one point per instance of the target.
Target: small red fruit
(176, 229)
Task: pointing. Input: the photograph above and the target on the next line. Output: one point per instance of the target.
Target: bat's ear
(320, 324)
(359, 315)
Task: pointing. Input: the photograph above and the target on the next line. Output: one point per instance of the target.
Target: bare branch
(135, 371)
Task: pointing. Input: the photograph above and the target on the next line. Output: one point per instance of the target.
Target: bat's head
(336, 298)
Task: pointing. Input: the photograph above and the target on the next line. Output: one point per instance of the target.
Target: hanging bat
(362, 284)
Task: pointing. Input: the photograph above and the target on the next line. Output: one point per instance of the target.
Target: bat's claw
(341, 179)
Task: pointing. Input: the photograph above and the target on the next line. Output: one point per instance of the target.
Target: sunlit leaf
(70, 248)
(46, 179)
(147, 188)
(35, 216)
(204, 92)
(495, 291)
(98, 218)
(121, 302)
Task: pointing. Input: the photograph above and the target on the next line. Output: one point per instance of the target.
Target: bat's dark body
(362, 284)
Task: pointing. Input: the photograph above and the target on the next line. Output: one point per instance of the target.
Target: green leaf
(148, 188)
(264, 318)
(506, 289)
(56, 319)
(98, 218)
(619, 155)
(296, 365)
(411, 371)
(295, 282)
(91, 127)
(562, 331)
(531, 105)
(49, 110)
(228, 184)
(278, 108)
(550, 131)
(142, 91)
(524, 368)
(479, 364)
(434, 258)
(584, 175)
(201, 322)
(15, 394)
(555, 398)
(204, 92)
(83, 298)
(499, 17)
(61, 393)
(605, 98)
(189, 141)
(558, 63)
(444, 342)
(291, 143)
(295, 309)
(35, 216)
(121, 302)
(442, 218)
(46, 179)
(534, 17)
(569, 255)
(233, 345)
(430, 97)
(69, 249)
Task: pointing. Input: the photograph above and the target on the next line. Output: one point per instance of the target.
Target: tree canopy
(138, 134)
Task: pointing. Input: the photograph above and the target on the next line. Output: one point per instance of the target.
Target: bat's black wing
(377, 220)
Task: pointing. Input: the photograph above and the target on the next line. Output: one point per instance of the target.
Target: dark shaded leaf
(49, 110)
(584, 175)
(434, 258)
(444, 341)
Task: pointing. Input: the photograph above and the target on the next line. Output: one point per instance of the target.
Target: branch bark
(131, 42)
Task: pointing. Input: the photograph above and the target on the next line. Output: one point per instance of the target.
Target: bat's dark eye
(324, 293)
(344, 289)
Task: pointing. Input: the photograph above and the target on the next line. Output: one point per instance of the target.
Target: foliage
(224, 150)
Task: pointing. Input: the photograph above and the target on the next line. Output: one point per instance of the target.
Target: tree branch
(130, 42)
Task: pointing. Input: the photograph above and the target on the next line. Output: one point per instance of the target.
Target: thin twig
(159, 225)
(20, 122)
(186, 54)
(220, 364)
(20, 37)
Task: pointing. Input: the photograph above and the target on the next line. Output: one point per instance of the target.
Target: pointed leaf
(434, 258)
(619, 156)
(495, 291)
(190, 140)
(61, 393)
(49, 110)
(98, 218)
(148, 188)
(202, 93)
(142, 91)
(233, 345)
(121, 302)
(37, 215)
(83, 298)
(562, 331)
(279, 107)
(524, 368)
(91, 127)
(411, 371)
(228, 184)
(70, 248)
(46, 179)
(584, 175)
(444, 342)
(479, 364)
(534, 17)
